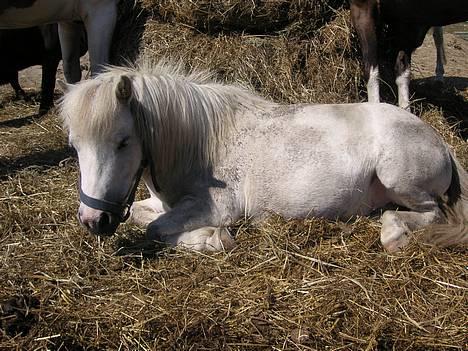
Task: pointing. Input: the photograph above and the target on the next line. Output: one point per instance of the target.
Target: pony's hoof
(43, 111)
(225, 239)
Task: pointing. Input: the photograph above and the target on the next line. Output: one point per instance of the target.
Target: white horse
(99, 17)
(211, 153)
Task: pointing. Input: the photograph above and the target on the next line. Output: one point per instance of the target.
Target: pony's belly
(39, 12)
(343, 197)
(333, 206)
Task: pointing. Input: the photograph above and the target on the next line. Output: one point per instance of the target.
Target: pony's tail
(455, 208)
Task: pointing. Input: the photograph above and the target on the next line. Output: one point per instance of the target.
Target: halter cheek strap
(121, 210)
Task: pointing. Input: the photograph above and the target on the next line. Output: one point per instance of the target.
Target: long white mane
(181, 117)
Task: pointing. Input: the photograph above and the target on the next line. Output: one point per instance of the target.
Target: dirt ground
(289, 285)
(424, 58)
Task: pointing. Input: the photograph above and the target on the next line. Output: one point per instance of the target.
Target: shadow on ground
(19, 122)
(49, 158)
(446, 95)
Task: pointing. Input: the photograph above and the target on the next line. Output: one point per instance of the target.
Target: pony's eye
(122, 144)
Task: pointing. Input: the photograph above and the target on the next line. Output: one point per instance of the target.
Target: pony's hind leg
(438, 35)
(70, 34)
(403, 76)
(398, 225)
(100, 24)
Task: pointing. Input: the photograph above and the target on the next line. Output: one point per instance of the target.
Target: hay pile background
(289, 285)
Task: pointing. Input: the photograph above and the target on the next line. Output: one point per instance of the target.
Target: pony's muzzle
(98, 222)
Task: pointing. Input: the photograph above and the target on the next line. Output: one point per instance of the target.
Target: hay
(246, 16)
(281, 68)
(288, 285)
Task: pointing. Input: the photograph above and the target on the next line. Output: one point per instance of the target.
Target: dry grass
(285, 69)
(288, 285)
(246, 16)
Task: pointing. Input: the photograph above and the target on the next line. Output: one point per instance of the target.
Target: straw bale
(254, 17)
(323, 69)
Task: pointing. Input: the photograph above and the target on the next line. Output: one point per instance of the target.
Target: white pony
(99, 17)
(211, 153)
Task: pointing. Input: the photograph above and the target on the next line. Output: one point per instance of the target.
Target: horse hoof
(43, 110)
(225, 239)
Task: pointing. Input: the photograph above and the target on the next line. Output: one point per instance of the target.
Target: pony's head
(97, 115)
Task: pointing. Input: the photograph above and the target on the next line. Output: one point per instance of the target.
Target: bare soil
(456, 67)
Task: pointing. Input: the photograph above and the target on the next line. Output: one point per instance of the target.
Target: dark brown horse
(408, 21)
(25, 47)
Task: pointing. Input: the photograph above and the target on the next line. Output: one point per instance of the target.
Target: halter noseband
(121, 210)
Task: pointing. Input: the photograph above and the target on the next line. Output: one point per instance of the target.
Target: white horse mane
(182, 116)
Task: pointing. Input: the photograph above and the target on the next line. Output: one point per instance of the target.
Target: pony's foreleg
(363, 18)
(100, 28)
(146, 211)
(203, 239)
(70, 36)
(189, 224)
(403, 77)
(438, 35)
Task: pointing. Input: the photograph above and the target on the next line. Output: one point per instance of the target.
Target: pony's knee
(394, 234)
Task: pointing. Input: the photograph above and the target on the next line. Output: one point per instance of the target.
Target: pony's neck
(183, 123)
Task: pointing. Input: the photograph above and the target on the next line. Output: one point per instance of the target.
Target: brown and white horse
(409, 21)
(98, 16)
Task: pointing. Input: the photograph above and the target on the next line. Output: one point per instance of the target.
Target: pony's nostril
(104, 220)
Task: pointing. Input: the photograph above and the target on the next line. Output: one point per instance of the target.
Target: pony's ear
(63, 86)
(124, 89)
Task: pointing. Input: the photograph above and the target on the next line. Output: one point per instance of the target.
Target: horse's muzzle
(98, 222)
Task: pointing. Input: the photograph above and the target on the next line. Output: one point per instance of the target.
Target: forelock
(90, 106)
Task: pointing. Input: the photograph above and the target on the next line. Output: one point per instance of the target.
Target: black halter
(121, 210)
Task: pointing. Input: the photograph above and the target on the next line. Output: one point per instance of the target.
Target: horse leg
(189, 225)
(49, 70)
(363, 17)
(50, 61)
(70, 36)
(403, 77)
(211, 239)
(146, 211)
(422, 204)
(398, 225)
(408, 38)
(438, 35)
(100, 28)
(14, 82)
